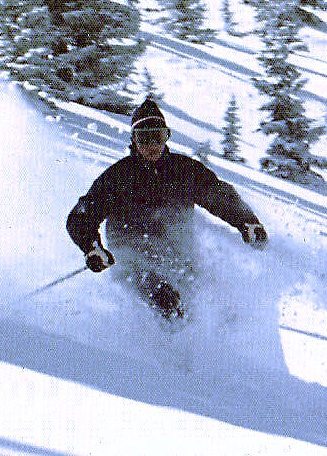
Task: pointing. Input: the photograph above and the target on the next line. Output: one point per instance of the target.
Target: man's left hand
(255, 235)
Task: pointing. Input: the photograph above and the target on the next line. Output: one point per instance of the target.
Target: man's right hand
(99, 258)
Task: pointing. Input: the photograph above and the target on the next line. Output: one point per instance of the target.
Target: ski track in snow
(227, 362)
(234, 69)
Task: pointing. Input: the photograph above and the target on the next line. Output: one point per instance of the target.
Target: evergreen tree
(28, 31)
(203, 151)
(186, 18)
(292, 131)
(231, 132)
(303, 12)
(149, 87)
(83, 50)
(230, 24)
(4, 41)
(307, 17)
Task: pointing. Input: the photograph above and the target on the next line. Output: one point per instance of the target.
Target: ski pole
(56, 282)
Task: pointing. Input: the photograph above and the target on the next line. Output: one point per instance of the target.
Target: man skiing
(148, 200)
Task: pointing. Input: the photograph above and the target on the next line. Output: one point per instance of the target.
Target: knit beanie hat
(148, 115)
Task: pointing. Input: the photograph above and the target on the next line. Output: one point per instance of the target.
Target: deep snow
(85, 367)
(231, 363)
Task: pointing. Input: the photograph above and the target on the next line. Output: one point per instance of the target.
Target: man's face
(151, 152)
(150, 142)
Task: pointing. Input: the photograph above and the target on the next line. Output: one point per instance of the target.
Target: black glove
(99, 258)
(254, 234)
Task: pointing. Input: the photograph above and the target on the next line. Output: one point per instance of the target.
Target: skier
(148, 200)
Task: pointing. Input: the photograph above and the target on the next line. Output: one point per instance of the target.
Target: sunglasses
(151, 135)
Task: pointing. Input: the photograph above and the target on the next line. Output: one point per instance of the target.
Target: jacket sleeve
(221, 199)
(84, 220)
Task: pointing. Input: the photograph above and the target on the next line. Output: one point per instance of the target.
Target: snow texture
(229, 363)
(86, 368)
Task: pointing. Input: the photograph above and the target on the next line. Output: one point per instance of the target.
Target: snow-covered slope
(86, 368)
(89, 355)
(92, 422)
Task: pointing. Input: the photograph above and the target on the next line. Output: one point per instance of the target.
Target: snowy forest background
(86, 51)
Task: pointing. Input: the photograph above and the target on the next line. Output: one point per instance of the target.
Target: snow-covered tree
(4, 40)
(230, 24)
(203, 150)
(82, 50)
(149, 87)
(307, 17)
(231, 132)
(186, 20)
(292, 131)
(304, 12)
(29, 32)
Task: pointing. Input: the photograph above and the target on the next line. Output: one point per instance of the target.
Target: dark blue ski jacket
(137, 196)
